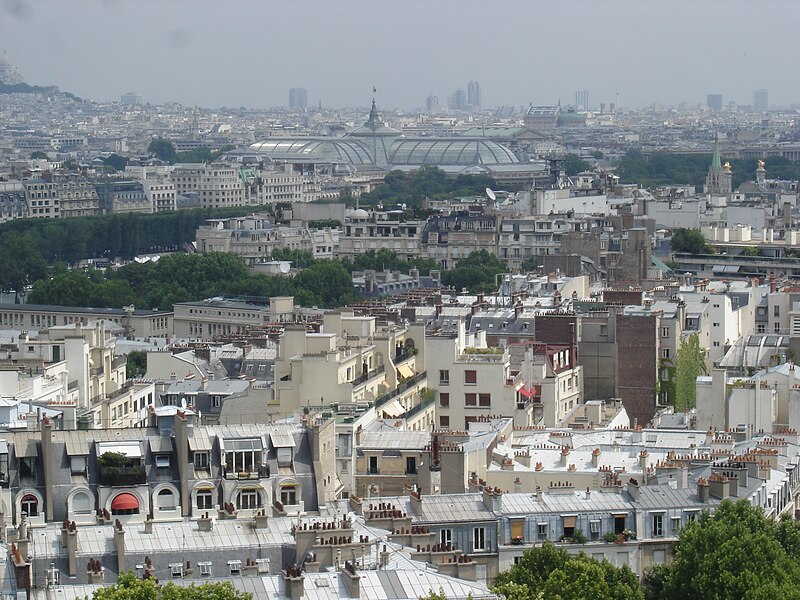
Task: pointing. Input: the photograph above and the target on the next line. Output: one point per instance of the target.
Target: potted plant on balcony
(517, 540)
(629, 535)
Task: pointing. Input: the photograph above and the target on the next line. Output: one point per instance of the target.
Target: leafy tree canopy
(689, 240)
(477, 272)
(551, 572)
(130, 587)
(736, 552)
(163, 149)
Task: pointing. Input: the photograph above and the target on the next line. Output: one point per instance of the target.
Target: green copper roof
(716, 164)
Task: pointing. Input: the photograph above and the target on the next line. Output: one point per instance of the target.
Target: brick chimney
(119, 544)
(702, 490)
(293, 582)
(47, 465)
(181, 431)
(351, 579)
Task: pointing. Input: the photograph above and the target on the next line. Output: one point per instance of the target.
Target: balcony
(260, 473)
(484, 355)
(369, 375)
(122, 476)
(402, 387)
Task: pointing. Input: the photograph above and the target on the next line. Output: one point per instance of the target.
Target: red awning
(529, 393)
(125, 502)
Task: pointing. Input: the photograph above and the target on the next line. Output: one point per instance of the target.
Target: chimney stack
(47, 465)
(702, 490)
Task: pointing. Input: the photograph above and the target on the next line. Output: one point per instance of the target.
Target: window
(541, 530)
(289, 495)
(176, 569)
(373, 466)
(201, 460)
(162, 461)
(715, 324)
(619, 524)
(716, 344)
(411, 465)
(250, 498)
(776, 311)
(691, 516)
(479, 538)
(470, 377)
(81, 504)
(444, 421)
(485, 400)
(569, 525)
(665, 353)
(594, 527)
(664, 332)
(446, 537)
(235, 567)
(444, 399)
(205, 568)
(658, 525)
(166, 499)
(676, 524)
(205, 499)
(470, 399)
(444, 377)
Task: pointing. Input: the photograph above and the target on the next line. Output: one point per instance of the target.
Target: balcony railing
(259, 473)
(369, 375)
(402, 387)
(489, 357)
(118, 476)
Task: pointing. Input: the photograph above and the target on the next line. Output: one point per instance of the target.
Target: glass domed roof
(322, 149)
(464, 152)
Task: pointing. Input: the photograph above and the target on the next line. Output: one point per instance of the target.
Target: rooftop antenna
(490, 193)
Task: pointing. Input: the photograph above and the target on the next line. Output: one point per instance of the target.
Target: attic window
(235, 567)
(205, 568)
(162, 461)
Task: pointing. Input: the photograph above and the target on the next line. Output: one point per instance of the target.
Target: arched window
(125, 504)
(30, 505)
(81, 504)
(249, 498)
(288, 494)
(166, 499)
(205, 498)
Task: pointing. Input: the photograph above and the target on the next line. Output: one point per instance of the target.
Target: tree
(38, 154)
(115, 161)
(130, 587)
(551, 572)
(477, 272)
(529, 264)
(690, 363)
(163, 150)
(136, 363)
(736, 552)
(690, 241)
(574, 165)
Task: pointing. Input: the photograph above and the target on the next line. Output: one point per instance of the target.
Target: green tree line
(412, 188)
(666, 168)
(28, 245)
(164, 149)
(182, 277)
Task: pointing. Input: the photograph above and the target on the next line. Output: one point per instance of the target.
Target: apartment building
(13, 201)
(212, 317)
(254, 237)
(42, 198)
(448, 239)
(215, 185)
(78, 196)
(122, 196)
(39, 317)
(363, 231)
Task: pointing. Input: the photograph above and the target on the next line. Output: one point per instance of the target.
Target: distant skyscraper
(432, 103)
(458, 101)
(131, 98)
(298, 99)
(760, 100)
(714, 102)
(582, 99)
(474, 95)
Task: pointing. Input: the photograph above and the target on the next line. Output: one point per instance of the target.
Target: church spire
(716, 164)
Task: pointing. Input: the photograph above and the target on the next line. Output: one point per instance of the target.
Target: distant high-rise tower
(474, 95)
(432, 103)
(719, 180)
(298, 99)
(714, 102)
(458, 101)
(131, 98)
(582, 99)
(760, 100)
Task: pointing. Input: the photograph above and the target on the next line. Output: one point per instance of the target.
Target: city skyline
(213, 57)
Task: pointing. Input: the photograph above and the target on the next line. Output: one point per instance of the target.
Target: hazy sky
(237, 52)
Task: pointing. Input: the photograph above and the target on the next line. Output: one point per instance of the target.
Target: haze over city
(241, 53)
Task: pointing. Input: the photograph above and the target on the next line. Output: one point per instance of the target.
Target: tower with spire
(719, 181)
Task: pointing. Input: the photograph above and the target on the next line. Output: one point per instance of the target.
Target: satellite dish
(183, 403)
(284, 267)
(491, 194)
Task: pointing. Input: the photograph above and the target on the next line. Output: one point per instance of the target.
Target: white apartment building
(363, 231)
(253, 238)
(473, 381)
(280, 185)
(160, 193)
(216, 185)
